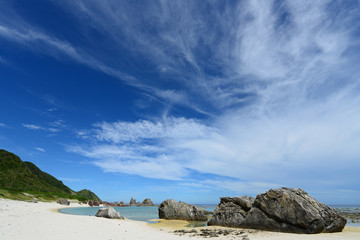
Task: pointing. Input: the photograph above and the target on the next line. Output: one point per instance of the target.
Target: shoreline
(41, 221)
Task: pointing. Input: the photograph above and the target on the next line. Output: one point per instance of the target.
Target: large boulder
(63, 201)
(282, 210)
(171, 209)
(147, 202)
(108, 212)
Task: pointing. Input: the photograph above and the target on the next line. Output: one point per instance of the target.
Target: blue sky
(191, 100)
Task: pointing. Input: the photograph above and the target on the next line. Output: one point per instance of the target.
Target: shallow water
(134, 213)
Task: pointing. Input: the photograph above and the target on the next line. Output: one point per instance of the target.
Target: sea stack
(132, 201)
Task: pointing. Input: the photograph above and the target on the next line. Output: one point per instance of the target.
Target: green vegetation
(87, 194)
(25, 181)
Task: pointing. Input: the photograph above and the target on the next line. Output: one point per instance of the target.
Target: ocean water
(148, 213)
(132, 212)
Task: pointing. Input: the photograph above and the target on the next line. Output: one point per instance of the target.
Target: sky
(190, 100)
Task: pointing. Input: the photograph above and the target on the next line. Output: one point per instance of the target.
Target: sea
(149, 214)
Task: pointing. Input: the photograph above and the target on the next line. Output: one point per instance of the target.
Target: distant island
(21, 180)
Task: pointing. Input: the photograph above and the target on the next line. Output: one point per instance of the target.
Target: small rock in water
(109, 212)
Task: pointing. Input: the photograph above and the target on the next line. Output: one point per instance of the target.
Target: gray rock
(108, 212)
(171, 209)
(93, 203)
(147, 202)
(63, 201)
(132, 201)
(231, 211)
(283, 210)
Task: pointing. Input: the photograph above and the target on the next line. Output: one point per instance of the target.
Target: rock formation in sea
(108, 212)
(132, 201)
(63, 201)
(147, 202)
(281, 210)
(171, 209)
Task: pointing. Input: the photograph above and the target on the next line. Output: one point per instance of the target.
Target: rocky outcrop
(353, 217)
(108, 204)
(109, 212)
(282, 210)
(63, 201)
(147, 202)
(171, 209)
(93, 203)
(132, 201)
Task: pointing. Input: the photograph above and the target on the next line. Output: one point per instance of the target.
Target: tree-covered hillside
(19, 176)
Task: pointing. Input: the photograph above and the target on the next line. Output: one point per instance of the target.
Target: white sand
(40, 221)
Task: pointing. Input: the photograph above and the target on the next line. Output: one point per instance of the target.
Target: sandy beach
(26, 221)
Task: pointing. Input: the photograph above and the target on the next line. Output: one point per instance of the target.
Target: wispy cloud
(37, 127)
(142, 147)
(2, 60)
(40, 149)
(2, 124)
(33, 126)
(260, 51)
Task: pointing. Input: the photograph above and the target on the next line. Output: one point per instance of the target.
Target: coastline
(24, 220)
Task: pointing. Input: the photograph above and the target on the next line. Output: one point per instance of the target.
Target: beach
(21, 220)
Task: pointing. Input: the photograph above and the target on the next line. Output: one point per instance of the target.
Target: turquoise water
(133, 212)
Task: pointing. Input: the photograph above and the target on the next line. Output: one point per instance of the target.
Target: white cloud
(168, 128)
(143, 147)
(58, 123)
(40, 149)
(301, 147)
(263, 50)
(37, 127)
(53, 130)
(2, 124)
(32, 126)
